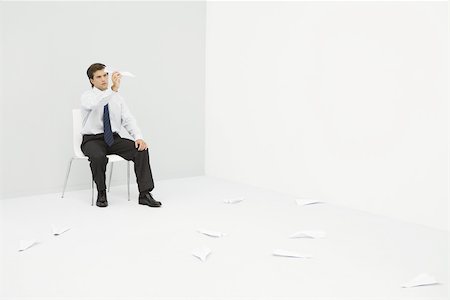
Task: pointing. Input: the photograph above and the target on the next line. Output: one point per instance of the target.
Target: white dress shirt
(92, 103)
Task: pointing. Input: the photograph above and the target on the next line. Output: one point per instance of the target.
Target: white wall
(47, 47)
(1, 92)
(342, 101)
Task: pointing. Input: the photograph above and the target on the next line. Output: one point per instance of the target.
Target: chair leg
(110, 176)
(128, 179)
(67, 177)
(92, 192)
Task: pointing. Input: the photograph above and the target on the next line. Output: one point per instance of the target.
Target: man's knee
(98, 159)
(141, 154)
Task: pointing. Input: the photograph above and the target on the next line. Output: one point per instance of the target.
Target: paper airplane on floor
(286, 253)
(59, 231)
(234, 200)
(312, 234)
(211, 233)
(25, 244)
(420, 280)
(201, 253)
(303, 202)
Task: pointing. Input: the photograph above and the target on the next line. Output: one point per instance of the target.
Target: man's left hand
(141, 145)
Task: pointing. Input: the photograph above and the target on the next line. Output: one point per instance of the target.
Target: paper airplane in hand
(58, 231)
(211, 233)
(420, 280)
(303, 202)
(234, 200)
(25, 244)
(201, 253)
(285, 253)
(123, 73)
(312, 234)
(127, 74)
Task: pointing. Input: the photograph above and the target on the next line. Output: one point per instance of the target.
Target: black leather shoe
(147, 199)
(101, 199)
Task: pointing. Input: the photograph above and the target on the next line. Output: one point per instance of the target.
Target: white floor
(129, 251)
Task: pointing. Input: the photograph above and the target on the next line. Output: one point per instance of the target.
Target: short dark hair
(92, 69)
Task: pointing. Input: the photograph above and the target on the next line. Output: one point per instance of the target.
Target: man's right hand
(116, 76)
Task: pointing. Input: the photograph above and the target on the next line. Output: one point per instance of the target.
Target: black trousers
(95, 148)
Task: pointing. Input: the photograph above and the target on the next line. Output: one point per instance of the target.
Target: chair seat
(111, 157)
(114, 158)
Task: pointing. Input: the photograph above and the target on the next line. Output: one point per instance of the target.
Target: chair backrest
(77, 137)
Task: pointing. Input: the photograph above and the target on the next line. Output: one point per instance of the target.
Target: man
(104, 112)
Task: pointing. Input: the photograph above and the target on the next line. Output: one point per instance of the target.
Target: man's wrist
(114, 88)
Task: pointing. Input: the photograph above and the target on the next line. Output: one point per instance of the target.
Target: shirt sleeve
(129, 123)
(91, 100)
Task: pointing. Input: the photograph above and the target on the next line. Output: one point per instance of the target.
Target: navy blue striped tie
(108, 135)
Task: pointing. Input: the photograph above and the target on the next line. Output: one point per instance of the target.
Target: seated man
(104, 112)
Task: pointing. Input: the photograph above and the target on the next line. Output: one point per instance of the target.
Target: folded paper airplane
(312, 234)
(303, 202)
(420, 280)
(234, 200)
(59, 231)
(211, 233)
(110, 70)
(201, 253)
(25, 244)
(285, 253)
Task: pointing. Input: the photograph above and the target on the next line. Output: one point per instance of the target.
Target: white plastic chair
(78, 154)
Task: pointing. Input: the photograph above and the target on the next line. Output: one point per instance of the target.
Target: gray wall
(46, 48)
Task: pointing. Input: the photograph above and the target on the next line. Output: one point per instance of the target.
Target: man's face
(100, 80)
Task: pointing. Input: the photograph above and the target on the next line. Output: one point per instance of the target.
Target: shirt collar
(98, 91)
